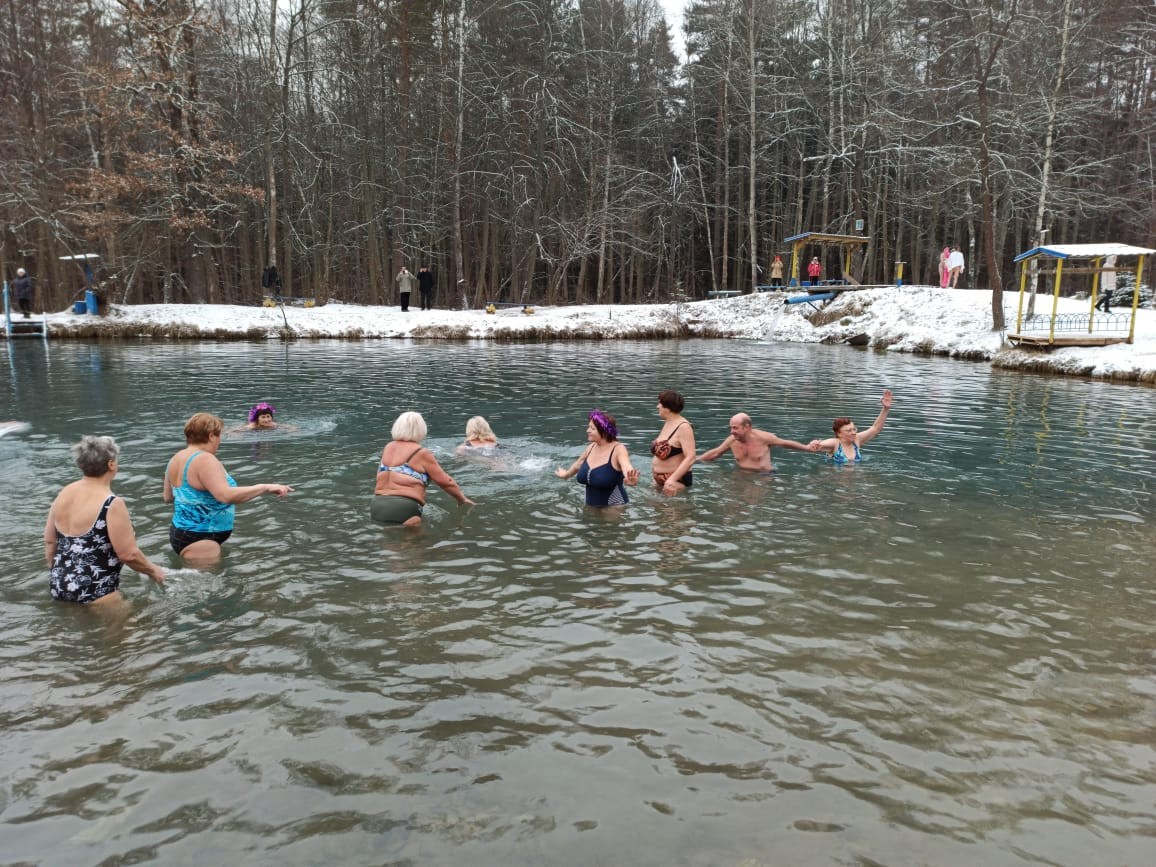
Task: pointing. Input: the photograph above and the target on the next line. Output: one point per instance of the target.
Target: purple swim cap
(260, 408)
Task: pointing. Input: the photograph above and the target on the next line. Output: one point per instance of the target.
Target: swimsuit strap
(414, 452)
(185, 474)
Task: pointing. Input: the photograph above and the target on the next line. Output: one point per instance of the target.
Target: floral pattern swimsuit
(85, 567)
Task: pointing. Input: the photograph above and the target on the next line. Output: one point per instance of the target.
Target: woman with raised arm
(203, 495)
(843, 448)
(604, 467)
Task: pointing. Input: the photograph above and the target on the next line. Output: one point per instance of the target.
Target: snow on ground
(919, 319)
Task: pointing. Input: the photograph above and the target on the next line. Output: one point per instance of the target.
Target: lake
(942, 656)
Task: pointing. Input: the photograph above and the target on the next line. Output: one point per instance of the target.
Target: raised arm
(866, 436)
(717, 451)
(574, 467)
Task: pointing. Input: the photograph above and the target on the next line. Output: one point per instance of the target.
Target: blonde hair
(409, 426)
(201, 426)
(477, 428)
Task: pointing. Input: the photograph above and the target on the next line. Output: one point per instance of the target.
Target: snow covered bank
(918, 319)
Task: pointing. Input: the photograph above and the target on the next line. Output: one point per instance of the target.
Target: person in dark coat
(425, 285)
(22, 288)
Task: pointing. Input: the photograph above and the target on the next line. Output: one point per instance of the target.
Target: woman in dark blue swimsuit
(604, 467)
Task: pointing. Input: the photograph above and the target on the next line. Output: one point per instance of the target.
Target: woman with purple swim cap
(604, 467)
(261, 417)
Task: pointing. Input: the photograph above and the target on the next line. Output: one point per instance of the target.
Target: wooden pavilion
(847, 243)
(1080, 329)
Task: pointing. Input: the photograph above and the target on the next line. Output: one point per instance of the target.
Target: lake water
(942, 656)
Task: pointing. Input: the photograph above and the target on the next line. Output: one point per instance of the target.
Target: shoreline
(921, 320)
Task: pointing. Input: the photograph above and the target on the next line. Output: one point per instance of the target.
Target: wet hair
(838, 423)
(477, 428)
(409, 426)
(260, 409)
(201, 426)
(605, 424)
(672, 400)
(93, 455)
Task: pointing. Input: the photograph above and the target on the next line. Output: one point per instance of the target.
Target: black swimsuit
(85, 567)
(662, 449)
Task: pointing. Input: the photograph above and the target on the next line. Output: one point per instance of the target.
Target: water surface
(944, 655)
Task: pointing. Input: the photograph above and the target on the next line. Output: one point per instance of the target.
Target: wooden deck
(1044, 342)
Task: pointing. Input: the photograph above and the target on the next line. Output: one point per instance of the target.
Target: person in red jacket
(814, 270)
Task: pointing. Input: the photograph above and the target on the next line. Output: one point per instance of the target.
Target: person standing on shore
(955, 266)
(22, 289)
(944, 271)
(777, 272)
(404, 281)
(1107, 285)
(425, 285)
(815, 270)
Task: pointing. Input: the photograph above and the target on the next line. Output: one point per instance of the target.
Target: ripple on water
(939, 656)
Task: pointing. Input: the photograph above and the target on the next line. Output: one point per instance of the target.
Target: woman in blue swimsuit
(405, 471)
(843, 448)
(604, 467)
(203, 495)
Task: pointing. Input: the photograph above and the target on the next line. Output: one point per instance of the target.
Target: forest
(560, 151)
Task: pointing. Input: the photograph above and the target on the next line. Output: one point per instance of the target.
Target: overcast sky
(673, 10)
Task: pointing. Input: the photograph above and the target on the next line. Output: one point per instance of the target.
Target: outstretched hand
(886, 399)
(813, 445)
(632, 477)
(561, 473)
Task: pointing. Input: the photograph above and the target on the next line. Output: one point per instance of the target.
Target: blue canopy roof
(1083, 251)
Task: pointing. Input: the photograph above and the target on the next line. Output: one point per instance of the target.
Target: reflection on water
(941, 656)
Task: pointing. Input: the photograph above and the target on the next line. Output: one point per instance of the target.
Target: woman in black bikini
(674, 448)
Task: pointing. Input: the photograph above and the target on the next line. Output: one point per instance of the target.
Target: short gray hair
(94, 454)
(409, 426)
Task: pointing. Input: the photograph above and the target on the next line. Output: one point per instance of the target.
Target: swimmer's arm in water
(445, 481)
(50, 537)
(630, 474)
(717, 451)
(123, 539)
(167, 492)
(574, 467)
(866, 436)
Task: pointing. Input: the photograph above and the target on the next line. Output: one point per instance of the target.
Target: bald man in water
(751, 446)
